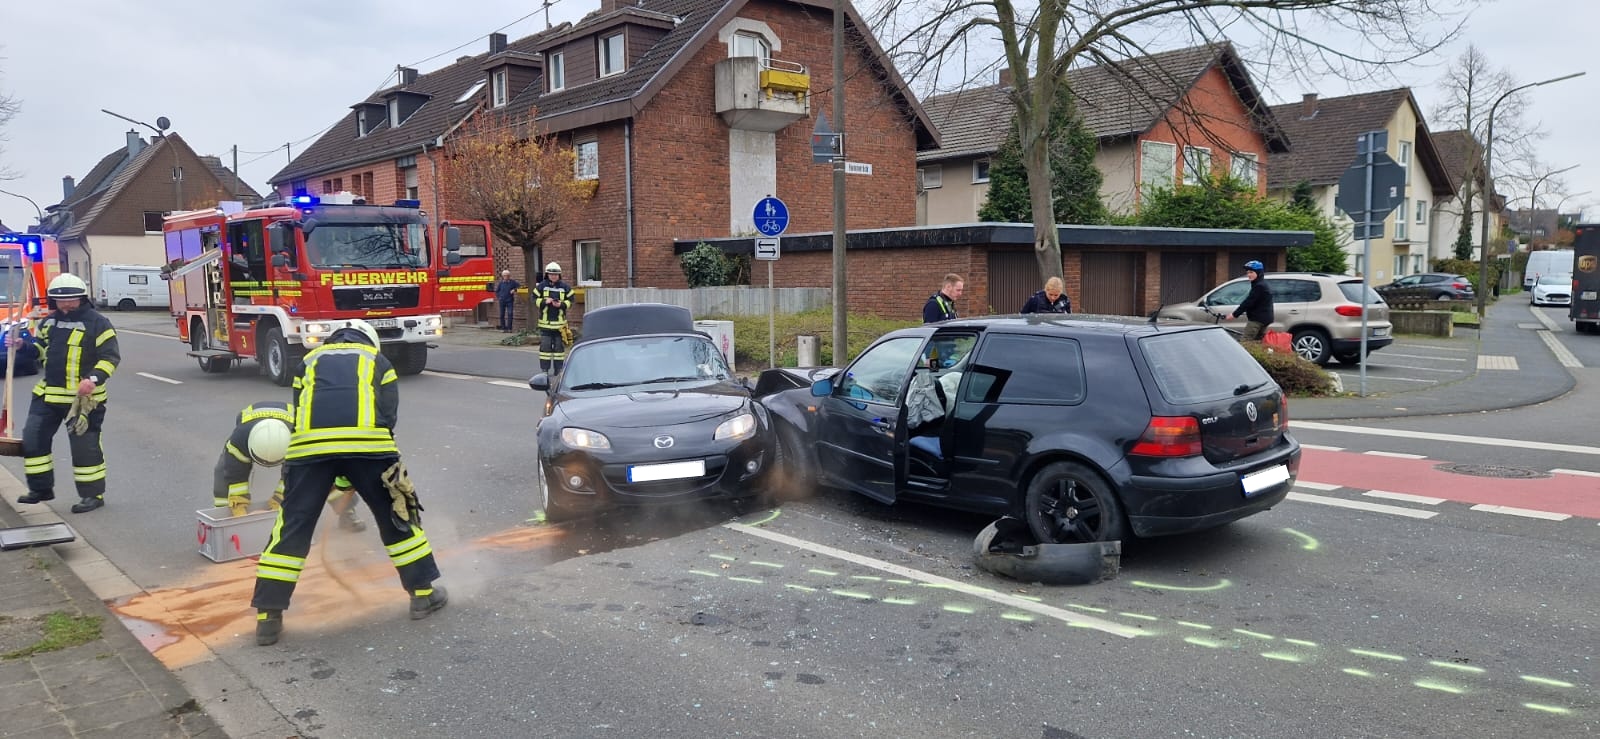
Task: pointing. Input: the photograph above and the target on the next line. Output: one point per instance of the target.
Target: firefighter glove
(566, 335)
(238, 506)
(407, 510)
(78, 416)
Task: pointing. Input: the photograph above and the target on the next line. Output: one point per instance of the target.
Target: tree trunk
(531, 269)
(1033, 133)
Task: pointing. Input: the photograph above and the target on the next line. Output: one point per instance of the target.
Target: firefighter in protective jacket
(79, 352)
(346, 403)
(261, 436)
(552, 298)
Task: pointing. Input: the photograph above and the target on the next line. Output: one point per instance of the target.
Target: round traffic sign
(771, 216)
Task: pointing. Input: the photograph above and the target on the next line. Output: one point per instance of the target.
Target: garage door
(1185, 276)
(1013, 277)
(1110, 284)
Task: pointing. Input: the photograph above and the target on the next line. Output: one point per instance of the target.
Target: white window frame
(1418, 263)
(1422, 211)
(1400, 264)
(601, 59)
(498, 94)
(557, 71)
(394, 112)
(1196, 164)
(411, 183)
(980, 171)
(1405, 155)
(931, 176)
(160, 218)
(586, 164)
(1246, 167)
(763, 47)
(1400, 220)
(1154, 176)
(578, 249)
(361, 122)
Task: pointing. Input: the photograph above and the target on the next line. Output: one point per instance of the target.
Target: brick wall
(1212, 116)
(890, 283)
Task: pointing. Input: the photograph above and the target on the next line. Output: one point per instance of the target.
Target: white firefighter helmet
(269, 442)
(365, 328)
(67, 285)
(553, 267)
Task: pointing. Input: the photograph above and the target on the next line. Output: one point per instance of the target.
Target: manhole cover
(1491, 470)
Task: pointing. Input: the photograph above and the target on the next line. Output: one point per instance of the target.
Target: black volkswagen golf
(1087, 427)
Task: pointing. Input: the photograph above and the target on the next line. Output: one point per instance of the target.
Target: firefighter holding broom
(346, 404)
(261, 437)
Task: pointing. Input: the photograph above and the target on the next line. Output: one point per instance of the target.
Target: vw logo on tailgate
(663, 442)
(1250, 411)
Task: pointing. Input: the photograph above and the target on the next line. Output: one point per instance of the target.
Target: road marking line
(1459, 438)
(1387, 355)
(1396, 455)
(510, 383)
(1407, 497)
(1322, 448)
(1544, 319)
(1585, 473)
(159, 378)
(1496, 362)
(147, 333)
(450, 375)
(1061, 614)
(1563, 354)
(1315, 485)
(1524, 512)
(1362, 505)
(1371, 366)
(1371, 378)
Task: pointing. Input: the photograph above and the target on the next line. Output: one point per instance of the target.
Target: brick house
(113, 215)
(1159, 119)
(1324, 132)
(686, 112)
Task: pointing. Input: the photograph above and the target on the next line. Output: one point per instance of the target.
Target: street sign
(857, 168)
(1388, 182)
(826, 145)
(767, 249)
(771, 216)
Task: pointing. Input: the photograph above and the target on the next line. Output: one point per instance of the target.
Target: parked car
(1544, 262)
(1552, 289)
(1428, 286)
(1089, 428)
(1321, 313)
(646, 412)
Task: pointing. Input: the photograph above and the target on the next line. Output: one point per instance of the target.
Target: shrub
(1296, 376)
(707, 266)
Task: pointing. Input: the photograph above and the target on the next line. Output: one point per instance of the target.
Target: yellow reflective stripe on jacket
(74, 357)
(389, 377)
(236, 454)
(239, 489)
(366, 402)
(105, 336)
(253, 413)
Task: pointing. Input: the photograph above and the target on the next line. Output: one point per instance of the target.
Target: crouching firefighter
(261, 436)
(346, 403)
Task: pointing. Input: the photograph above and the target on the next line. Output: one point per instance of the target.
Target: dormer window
(557, 72)
(394, 112)
(612, 58)
(497, 89)
(362, 127)
(750, 44)
(468, 95)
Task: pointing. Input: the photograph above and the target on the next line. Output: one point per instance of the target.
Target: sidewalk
(1507, 338)
(85, 675)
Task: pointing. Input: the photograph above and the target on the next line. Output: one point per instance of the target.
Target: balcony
(755, 94)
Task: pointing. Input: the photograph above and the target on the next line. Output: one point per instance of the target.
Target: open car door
(462, 286)
(861, 421)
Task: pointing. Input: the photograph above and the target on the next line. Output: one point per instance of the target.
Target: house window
(588, 165)
(750, 44)
(980, 171)
(558, 72)
(1405, 155)
(1157, 161)
(1418, 263)
(1400, 220)
(588, 253)
(497, 90)
(394, 112)
(1399, 264)
(410, 174)
(611, 58)
(471, 91)
(297, 186)
(361, 121)
(1360, 263)
(152, 221)
(1196, 164)
(931, 176)
(1422, 212)
(1245, 168)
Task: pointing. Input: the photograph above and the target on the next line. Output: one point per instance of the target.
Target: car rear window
(1352, 292)
(1200, 366)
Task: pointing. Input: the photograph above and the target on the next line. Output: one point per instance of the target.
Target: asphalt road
(836, 616)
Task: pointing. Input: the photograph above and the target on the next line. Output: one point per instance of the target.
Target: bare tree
(501, 169)
(944, 41)
(9, 107)
(1470, 86)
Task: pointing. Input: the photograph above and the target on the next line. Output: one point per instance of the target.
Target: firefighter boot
(84, 505)
(37, 497)
(269, 624)
(424, 601)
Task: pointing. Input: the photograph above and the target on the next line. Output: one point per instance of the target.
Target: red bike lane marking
(1570, 494)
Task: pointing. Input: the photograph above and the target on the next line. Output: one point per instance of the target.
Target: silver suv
(1321, 312)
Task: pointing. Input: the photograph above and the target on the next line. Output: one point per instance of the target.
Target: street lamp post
(177, 169)
(1533, 200)
(1563, 201)
(1488, 178)
(30, 202)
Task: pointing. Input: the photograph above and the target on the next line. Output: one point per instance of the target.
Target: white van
(130, 286)
(1547, 262)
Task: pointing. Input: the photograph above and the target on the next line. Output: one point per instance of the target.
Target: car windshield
(1201, 366)
(1555, 279)
(647, 360)
(368, 245)
(1352, 292)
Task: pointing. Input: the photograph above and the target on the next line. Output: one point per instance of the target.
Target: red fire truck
(32, 257)
(269, 283)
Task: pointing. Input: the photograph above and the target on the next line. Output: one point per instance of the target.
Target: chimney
(135, 144)
(497, 43)
(67, 186)
(1005, 77)
(1308, 105)
(607, 6)
(407, 76)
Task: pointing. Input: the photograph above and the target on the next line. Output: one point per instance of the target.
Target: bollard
(806, 347)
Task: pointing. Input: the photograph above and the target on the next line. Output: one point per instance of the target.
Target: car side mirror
(822, 388)
(452, 238)
(540, 382)
(278, 260)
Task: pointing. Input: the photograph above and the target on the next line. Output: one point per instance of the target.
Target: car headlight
(433, 322)
(741, 426)
(584, 438)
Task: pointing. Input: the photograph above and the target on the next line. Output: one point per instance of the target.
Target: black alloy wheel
(1069, 503)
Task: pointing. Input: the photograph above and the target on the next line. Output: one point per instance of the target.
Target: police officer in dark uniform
(79, 350)
(941, 306)
(346, 404)
(552, 298)
(1257, 306)
(261, 437)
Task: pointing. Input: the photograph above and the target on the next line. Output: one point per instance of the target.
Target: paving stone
(16, 671)
(111, 712)
(154, 727)
(31, 716)
(20, 694)
(47, 732)
(89, 682)
(97, 649)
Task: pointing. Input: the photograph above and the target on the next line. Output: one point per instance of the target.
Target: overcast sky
(260, 75)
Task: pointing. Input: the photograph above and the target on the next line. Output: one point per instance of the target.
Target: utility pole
(236, 187)
(841, 332)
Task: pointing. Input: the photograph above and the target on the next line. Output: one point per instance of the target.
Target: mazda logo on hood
(662, 442)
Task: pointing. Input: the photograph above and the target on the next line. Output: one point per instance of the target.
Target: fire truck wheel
(280, 362)
(409, 359)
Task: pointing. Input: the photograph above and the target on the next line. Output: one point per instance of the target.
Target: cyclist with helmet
(346, 404)
(1257, 306)
(79, 352)
(261, 437)
(552, 298)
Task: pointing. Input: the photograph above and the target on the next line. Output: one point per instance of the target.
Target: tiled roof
(1325, 142)
(1123, 99)
(240, 189)
(117, 183)
(1457, 149)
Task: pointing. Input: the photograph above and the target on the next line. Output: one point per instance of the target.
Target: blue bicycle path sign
(771, 216)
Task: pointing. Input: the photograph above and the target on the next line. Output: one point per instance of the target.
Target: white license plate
(1270, 477)
(384, 322)
(1590, 295)
(1380, 332)
(668, 471)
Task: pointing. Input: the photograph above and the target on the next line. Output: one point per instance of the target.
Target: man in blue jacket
(505, 294)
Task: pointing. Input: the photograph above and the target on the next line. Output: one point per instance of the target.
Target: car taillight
(1459, 285)
(1352, 311)
(1169, 436)
(1283, 411)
